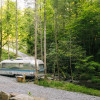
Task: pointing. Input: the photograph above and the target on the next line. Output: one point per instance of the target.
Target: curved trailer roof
(23, 60)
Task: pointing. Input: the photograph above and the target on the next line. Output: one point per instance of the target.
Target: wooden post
(24, 78)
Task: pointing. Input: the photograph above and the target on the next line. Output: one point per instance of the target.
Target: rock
(36, 98)
(13, 94)
(16, 96)
(22, 97)
(49, 78)
(4, 96)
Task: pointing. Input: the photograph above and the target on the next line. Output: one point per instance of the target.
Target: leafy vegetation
(72, 36)
(5, 55)
(69, 87)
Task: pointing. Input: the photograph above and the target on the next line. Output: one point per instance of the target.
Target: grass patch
(5, 55)
(69, 87)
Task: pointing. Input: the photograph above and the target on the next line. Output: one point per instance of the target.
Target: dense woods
(67, 31)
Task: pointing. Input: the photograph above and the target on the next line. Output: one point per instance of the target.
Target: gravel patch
(9, 85)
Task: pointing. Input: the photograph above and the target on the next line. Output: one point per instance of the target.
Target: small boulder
(13, 94)
(4, 96)
(36, 98)
(22, 97)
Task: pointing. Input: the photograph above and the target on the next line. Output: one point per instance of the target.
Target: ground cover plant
(68, 87)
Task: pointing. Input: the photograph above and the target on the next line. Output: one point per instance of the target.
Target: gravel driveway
(19, 53)
(9, 85)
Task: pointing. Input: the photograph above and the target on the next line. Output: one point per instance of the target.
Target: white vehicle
(22, 66)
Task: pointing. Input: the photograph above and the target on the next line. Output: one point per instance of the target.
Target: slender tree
(36, 79)
(16, 32)
(70, 58)
(56, 33)
(1, 34)
(8, 25)
(45, 38)
(41, 33)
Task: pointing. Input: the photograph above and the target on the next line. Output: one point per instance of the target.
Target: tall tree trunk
(1, 35)
(56, 33)
(41, 33)
(16, 32)
(76, 8)
(36, 79)
(8, 25)
(12, 44)
(45, 38)
(70, 58)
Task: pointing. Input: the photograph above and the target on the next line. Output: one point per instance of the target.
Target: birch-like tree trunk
(8, 25)
(1, 35)
(41, 33)
(16, 32)
(45, 38)
(70, 58)
(36, 79)
(56, 33)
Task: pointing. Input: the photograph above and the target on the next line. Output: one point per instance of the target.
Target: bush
(43, 83)
(95, 80)
(56, 84)
(85, 76)
(5, 55)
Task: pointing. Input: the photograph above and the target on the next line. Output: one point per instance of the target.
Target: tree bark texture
(41, 34)
(16, 32)
(56, 33)
(45, 38)
(1, 35)
(36, 79)
(8, 25)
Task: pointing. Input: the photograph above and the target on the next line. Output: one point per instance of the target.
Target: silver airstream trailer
(21, 66)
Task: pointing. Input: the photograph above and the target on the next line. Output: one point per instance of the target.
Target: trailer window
(26, 66)
(41, 66)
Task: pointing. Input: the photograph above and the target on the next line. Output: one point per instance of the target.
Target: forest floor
(8, 84)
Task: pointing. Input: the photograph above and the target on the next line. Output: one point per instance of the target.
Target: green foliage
(5, 55)
(43, 83)
(82, 89)
(29, 93)
(85, 76)
(87, 68)
(95, 80)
